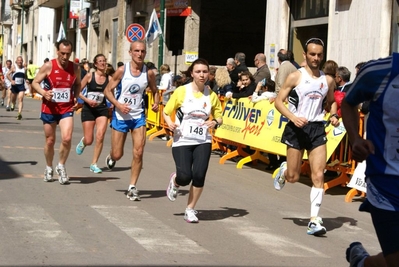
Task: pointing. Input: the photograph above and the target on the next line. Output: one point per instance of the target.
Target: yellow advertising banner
(259, 125)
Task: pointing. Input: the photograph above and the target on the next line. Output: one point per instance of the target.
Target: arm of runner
(113, 83)
(361, 148)
(78, 80)
(331, 104)
(83, 84)
(154, 90)
(11, 71)
(41, 75)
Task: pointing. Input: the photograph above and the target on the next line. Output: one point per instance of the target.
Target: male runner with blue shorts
(131, 81)
(61, 78)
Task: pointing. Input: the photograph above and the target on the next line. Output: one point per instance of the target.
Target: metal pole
(22, 25)
(65, 18)
(160, 51)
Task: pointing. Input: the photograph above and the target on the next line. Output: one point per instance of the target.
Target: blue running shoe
(80, 147)
(94, 168)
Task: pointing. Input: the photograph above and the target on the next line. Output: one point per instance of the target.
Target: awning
(51, 3)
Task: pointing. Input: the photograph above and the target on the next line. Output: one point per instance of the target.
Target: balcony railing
(19, 4)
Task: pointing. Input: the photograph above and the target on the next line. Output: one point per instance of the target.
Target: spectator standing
(285, 69)
(233, 72)
(262, 71)
(291, 58)
(342, 79)
(211, 78)
(131, 81)
(330, 68)
(61, 87)
(239, 59)
(194, 103)
(166, 77)
(307, 90)
(377, 82)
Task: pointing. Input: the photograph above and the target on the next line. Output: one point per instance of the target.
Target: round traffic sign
(135, 32)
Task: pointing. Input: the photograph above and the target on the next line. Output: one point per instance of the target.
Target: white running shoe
(190, 215)
(172, 190)
(133, 194)
(63, 177)
(278, 175)
(315, 227)
(48, 175)
(355, 254)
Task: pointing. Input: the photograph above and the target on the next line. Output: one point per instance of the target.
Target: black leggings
(191, 164)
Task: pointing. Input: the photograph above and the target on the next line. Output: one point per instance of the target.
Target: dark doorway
(231, 26)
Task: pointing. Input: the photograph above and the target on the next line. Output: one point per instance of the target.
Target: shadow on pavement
(8, 123)
(90, 180)
(9, 173)
(155, 193)
(214, 215)
(115, 169)
(329, 223)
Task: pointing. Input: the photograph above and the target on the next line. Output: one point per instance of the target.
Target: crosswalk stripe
(33, 226)
(273, 243)
(148, 231)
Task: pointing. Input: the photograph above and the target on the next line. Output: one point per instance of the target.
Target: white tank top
(195, 111)
(307, 98)
(132, 91)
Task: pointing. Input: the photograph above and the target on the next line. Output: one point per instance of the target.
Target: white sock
(316, 197)
(61, 165)
(131, 186)
(49, 168)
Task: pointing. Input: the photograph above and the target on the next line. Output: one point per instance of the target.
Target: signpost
(135, 32)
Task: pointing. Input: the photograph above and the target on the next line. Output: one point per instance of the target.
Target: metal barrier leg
(255, 156)
(352, 193)
(157, 133)
(342, 180)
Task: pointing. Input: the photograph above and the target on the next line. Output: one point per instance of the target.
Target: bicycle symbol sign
(135, 32)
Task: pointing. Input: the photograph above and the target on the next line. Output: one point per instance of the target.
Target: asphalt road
(244, 221)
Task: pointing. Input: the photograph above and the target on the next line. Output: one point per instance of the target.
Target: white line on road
(148, 231)
(32, 226)
(273, 243)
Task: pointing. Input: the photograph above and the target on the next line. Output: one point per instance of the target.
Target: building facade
(201, 28)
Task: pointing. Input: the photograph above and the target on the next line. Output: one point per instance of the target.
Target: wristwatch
(217, 123)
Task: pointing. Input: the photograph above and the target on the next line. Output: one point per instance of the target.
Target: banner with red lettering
(260, 125)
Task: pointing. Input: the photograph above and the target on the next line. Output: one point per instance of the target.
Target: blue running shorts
(50, 118)
(126, 126)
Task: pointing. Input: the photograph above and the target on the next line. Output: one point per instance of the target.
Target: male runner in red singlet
(61, 87)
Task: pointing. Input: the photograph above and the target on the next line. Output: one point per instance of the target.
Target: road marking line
(273, 243)
(27, 147)
(19, 131)
(33, 226)
(148, 231)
